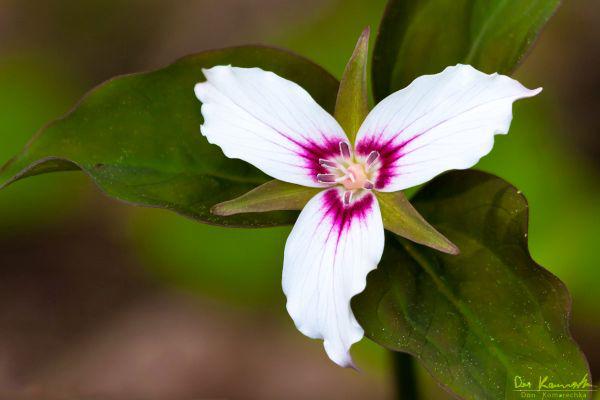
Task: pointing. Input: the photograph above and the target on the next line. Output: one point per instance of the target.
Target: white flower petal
(437, 123)
(268, 121)
(327, 258)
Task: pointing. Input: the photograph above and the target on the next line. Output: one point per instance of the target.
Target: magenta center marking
(340, 167)
(389, 154)
(342, 216)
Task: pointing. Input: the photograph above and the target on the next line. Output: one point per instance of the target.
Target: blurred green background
(102, 299)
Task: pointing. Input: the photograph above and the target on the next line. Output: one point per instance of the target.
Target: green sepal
(401, 218)
(271, 196)
(352, 103)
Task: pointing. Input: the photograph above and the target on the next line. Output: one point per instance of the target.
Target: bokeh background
(103, 300)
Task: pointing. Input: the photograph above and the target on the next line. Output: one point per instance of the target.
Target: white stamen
(351, 174)
(326, 178)
(327, 163)
(347, 197)
(372, 158)
(343, 169)
(345, 150)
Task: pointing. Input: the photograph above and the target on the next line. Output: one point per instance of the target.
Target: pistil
(356, 177)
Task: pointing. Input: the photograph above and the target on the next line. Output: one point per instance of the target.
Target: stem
(405, 377)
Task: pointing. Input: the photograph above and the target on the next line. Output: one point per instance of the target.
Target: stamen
(343, 169)
(373, 156)
(369, 185)
(326, 178)
(327, 163)
(347, 197)
(345, 150)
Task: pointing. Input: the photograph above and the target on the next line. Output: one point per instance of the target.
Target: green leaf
(480, 320)
(400, 217)
(138, 138)
(352, 104)
(271, 196)
(418, 37)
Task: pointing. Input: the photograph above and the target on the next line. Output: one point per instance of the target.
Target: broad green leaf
(138, 137)
(32, 90)
(271, 196)
(418, 37)
(482, 320)
(400, 217)
(352, 104)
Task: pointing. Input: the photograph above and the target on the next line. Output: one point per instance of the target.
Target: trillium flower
(439, 122)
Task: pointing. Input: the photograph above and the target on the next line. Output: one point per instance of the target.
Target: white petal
(437, 123)
(327, 258)
(268, 121)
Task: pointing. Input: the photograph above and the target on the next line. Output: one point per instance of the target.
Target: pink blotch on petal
(314, 152)
(343, 216)
(389, 153)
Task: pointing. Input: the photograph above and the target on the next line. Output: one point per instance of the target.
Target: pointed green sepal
(272, 196)
(401, 218)
(352, 104)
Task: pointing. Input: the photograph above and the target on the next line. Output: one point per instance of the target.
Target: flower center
(357, 178)
(353, 174)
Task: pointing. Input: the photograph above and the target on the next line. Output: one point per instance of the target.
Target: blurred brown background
(99, 300)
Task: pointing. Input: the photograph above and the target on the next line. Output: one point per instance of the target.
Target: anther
(373, 156)
(345, 150)
(327, 163)
(347, 197)
(368, 185)
(326, 178)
